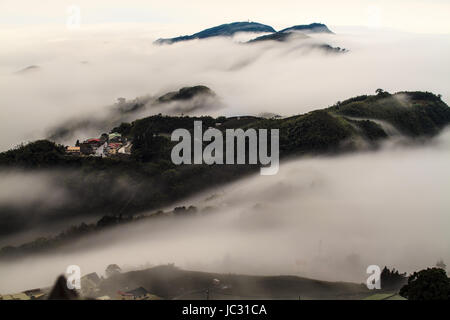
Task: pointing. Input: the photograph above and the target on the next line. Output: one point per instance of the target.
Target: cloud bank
(326, 218)
(80, 73)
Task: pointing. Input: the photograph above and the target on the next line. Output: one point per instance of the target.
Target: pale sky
(419, 16)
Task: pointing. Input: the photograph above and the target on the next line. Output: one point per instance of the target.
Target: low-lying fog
(78, 73)
(326, 218)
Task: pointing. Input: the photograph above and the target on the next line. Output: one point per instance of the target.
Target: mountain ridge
(229, 29)
(343, 127)
(309, 28)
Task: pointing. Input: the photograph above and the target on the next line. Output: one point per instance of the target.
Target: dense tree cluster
(429, 284)
(392, 279)
(412, 113)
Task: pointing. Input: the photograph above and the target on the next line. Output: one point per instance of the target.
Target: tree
(221, 119)
(379, 91)
(112, 269)
(104, 137)
(392, 279)
(429, 284)
(441, 264)
(148, 146)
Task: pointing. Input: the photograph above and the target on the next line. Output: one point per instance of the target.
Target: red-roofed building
(93, 140)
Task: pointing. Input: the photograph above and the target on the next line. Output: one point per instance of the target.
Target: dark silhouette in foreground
(60, 291)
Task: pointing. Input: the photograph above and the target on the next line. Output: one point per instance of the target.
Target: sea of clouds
(81, 73)
(326, 218)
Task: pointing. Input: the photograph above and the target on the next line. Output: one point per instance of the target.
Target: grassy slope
(170, 282)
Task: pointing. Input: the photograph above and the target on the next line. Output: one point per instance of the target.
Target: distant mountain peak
(309, 28)
(300, 32)
(186, 93)
(229, 29)
(223, 30)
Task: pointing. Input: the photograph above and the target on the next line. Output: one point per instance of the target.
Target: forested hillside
(147, 179)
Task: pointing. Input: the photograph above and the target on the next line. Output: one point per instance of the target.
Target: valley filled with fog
(327, 218)
(319, 217)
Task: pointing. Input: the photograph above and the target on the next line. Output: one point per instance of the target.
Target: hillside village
(90, 289)
(106, 145)
(168, 282)
(115, 144)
